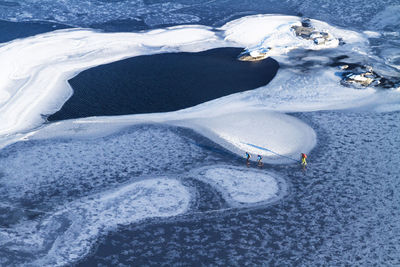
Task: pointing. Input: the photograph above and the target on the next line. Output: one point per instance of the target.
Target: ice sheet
(51, 172)
(87, 12)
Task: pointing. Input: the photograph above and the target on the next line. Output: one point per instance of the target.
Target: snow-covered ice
(243, 186)
(70, 232)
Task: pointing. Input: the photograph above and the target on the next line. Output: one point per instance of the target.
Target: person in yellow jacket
(303, 160)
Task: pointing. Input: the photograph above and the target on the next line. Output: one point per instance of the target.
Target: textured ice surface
(344, 210)
(85, 13)
(69, 233)
(59, 195)
(243, 185)
(52, 171)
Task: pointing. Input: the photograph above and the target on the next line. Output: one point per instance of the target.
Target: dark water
(13, 30)
(164, 82)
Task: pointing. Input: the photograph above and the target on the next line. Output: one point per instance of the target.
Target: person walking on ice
(303, 160)
(259, 163)
(248, 156)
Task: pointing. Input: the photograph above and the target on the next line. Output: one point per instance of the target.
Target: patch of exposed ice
(354, 13)
(372, 34)
(386, 19)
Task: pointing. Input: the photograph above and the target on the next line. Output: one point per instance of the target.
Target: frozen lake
(142, 161)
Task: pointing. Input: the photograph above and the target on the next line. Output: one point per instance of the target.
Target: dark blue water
(13, 30)
(163, 82)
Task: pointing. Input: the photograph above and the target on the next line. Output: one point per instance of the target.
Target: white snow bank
(276, 136)
(68, 234)
(243, 186)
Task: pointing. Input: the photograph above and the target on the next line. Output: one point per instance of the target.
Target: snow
(251, 30)
(275, 31)
(35, 84)
(70, 232)
(258, 132)
(4, 96)
(294, 90)
(243, 186)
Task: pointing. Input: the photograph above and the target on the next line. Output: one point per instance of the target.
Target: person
(248, 156)
(259, 163)
(303, 159)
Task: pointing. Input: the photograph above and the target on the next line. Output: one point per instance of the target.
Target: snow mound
(243, 186)
(277, 137)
